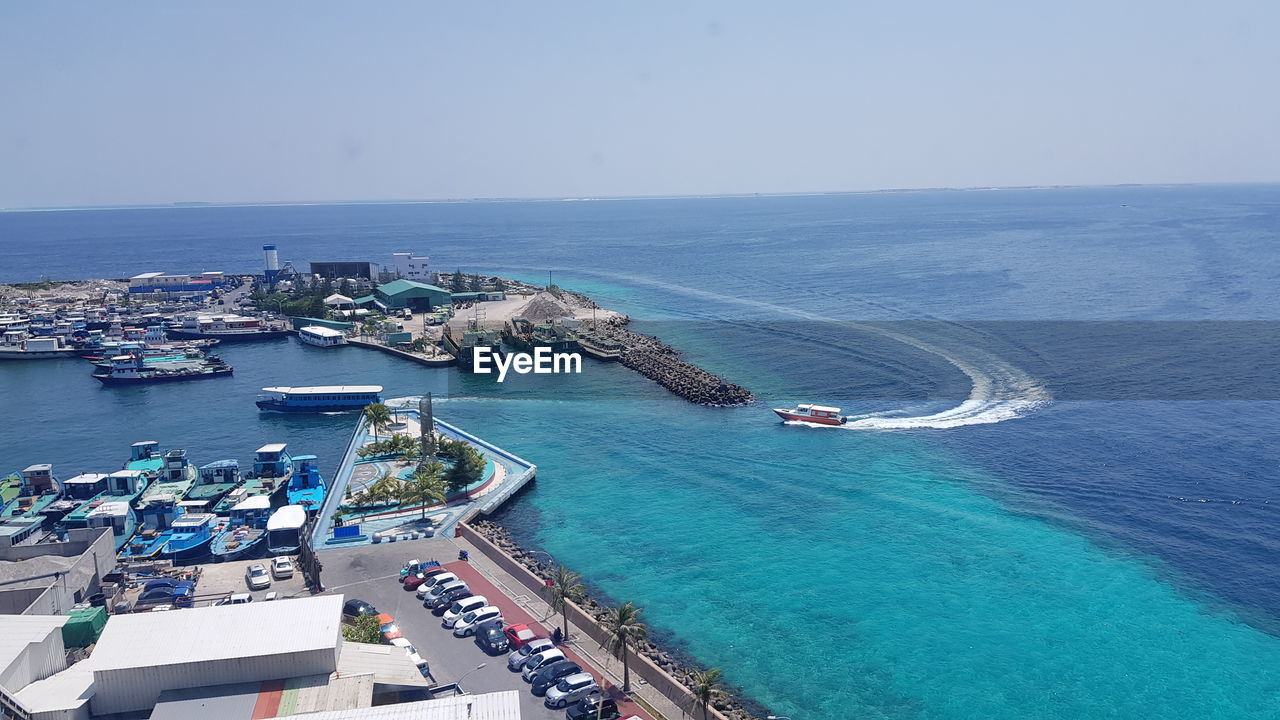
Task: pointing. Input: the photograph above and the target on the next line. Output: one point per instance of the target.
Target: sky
(125, 103)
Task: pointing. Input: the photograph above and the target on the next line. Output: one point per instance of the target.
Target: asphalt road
(371, 574)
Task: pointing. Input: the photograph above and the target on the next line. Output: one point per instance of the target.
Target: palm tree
(563, 587)
(425, 488)
(705, 688)
(384, 489)
(625, 629)
(378, 416)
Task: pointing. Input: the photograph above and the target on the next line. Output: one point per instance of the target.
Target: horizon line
(188, 204)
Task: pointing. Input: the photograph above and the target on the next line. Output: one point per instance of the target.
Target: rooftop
(273, 448)
(42, 467)
(19, 631)
(195, 635)
(326, 389)
(398, 286)
(503, 705)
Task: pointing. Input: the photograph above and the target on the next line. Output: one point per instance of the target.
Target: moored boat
(318, 336)
(306, 486)
(246, 529)
(134, 370)
(229, 328)
(820, 414)
(318, 398)
(216, 480)
(272, 468)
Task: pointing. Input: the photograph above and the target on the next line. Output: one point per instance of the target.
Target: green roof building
(417, 296)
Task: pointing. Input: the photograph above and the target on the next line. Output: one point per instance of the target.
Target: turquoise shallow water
(1095, 556)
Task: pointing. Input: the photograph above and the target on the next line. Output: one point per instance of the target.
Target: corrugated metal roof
(219, 633)
(68, 689)
(503, 705)
(19, 631)
(389, 665)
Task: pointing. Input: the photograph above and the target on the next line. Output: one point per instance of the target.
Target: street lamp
(458, 682)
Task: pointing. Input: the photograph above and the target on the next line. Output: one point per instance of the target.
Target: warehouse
(31, 649)
(504, 705)
(140, 656)
(416, 296)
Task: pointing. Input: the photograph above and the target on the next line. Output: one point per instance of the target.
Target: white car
(439, 591)
(434, 582)
(281, 568)
(517, 658)
(256, 577)
(462, 607)
(466, 625)
(570, 690)
(537, 661)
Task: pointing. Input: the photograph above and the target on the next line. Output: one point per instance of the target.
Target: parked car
(414, 580)
(354, 608)
(412, 653)
(591, 706)
(235, 599)
(533, 663)
(570, 690)
(433, 582)
(281, 568)
(461, 607)
(467, 624)
(256, 577)
(517, 659)
(550, 674)
(176, 593)
(435, 593)
(519, 635)
(491, 639)
(390, 630)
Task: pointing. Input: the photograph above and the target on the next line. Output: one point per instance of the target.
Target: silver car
(570, 690)
(537, 661)
(517, 658)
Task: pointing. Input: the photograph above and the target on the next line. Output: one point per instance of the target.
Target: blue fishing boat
(246, 530)
(284, 530)
(98, 496)
(216, 480)
(306, 486)
(272, 468)
(168, 532)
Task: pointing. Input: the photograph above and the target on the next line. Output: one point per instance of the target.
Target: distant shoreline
(189, 204)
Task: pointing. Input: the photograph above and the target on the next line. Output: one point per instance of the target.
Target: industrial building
(50, 578)
(416, 296)
(409, 267)
(158, 282)
(335, 270)
(504, 705)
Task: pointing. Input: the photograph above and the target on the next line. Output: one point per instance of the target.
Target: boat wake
(1000, 391)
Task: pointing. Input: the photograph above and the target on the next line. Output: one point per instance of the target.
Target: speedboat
(820, 414)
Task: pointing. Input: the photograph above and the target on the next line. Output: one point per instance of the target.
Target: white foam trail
(1000, 390)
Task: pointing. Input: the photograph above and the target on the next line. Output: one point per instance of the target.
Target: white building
(31, 649)
(414, 268)
(503, 705)
(140, 656)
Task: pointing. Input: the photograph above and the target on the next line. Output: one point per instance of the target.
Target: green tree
(500, 285)
(625, 630)
(364, 630)
(425, 487)
(458, 283)
(378, 415)
(473, 285)
(467, 468)
(563, 588)
(705, 686)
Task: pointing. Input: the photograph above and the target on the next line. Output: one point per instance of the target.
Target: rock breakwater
(662, 363)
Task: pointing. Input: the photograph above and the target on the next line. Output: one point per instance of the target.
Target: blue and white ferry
(319, 398)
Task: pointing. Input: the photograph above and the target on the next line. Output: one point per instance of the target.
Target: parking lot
(371, 574)
(217, 580)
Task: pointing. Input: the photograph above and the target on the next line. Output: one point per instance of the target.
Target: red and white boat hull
(789, 415)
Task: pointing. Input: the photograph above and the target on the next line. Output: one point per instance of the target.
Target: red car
(413, 581)
(390, 630)
(519, 635)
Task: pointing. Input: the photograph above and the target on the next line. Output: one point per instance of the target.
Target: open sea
(1058, 497)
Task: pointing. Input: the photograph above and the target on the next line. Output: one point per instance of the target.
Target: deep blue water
(1058, 499)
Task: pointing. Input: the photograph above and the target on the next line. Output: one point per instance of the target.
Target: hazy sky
(142, 102)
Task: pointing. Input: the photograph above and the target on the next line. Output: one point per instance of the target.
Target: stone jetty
(661, 363)
(725, 703)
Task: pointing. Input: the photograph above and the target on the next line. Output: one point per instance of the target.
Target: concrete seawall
(429, 362)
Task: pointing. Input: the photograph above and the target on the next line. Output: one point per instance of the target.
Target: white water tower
(273, 264)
